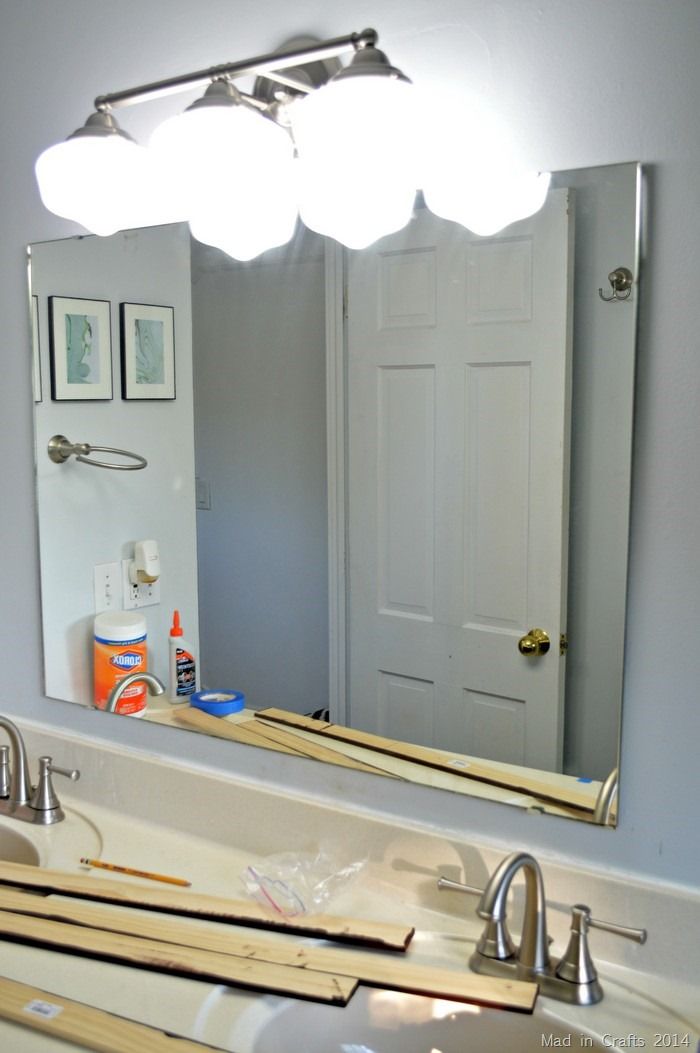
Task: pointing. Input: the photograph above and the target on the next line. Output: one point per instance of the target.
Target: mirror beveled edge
(422, 771)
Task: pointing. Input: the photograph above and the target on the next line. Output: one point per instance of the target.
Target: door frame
(336, 441)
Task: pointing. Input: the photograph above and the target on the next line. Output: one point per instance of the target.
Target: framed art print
(148, 351)
(80, 344)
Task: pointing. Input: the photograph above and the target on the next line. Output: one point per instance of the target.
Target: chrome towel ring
(60, 449)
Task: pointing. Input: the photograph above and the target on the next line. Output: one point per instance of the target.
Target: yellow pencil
(134, 873)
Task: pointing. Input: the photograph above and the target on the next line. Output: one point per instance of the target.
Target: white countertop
(209, 829)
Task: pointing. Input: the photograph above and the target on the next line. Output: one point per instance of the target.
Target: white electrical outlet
(134, 596)
(108, 587)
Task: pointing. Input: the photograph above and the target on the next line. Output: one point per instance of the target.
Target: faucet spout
(20, 781)
(605, 800)
(154, 685)
(533, 953)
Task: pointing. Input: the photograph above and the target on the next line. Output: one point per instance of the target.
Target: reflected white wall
(90, 516)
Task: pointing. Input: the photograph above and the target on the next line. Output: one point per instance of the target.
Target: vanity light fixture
(345, 147)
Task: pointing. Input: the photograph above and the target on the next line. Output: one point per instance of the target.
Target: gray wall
(581, 85)
(260, 447)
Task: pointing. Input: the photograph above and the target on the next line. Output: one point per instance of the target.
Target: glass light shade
(233, 142)
(486, 199)
(234, 171)
(353, 210)
(258, 217)
(357, 148)
(96, 180)
(471, 170)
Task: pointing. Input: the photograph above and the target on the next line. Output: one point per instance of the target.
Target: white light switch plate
(108, 587)
(202, 491)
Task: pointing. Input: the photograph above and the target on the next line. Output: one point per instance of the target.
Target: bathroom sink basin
(15, 848)
(377, 1021)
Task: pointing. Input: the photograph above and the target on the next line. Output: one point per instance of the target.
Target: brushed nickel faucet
(533, 953)
(18, 798)
(572, 978)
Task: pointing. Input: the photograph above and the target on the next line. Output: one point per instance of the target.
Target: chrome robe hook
(621, 281)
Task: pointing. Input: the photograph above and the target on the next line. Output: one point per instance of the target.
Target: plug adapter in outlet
(142, 595)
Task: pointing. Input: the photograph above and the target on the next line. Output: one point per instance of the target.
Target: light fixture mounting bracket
(296, 80)
(271, 63)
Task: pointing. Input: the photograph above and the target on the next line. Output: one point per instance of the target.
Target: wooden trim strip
(432, 759)
(84, 1025)
(257, 733)
(174, 958)
(213, 908)
(243, 733)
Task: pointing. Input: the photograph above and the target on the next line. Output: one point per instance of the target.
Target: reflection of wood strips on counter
(373, 969)
(392, 763)
(213, 908)
(83, 1025)
(438, 759)
(256, 733)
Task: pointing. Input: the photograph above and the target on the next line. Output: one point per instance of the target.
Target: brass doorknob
(534, 644)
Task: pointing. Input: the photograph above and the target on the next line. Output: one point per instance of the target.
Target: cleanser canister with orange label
(120, 649)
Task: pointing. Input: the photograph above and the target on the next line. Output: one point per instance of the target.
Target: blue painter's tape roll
(218, 703)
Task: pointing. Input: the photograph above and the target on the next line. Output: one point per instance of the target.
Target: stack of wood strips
(122, 922)
(212, 908)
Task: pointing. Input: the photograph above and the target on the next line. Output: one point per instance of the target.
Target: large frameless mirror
(389, 488)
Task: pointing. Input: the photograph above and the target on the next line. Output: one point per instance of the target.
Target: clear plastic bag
(293, 883)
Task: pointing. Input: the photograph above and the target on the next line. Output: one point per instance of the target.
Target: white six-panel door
(458, 353)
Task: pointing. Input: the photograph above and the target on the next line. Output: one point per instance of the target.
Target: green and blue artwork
(82, 349)
(149, 351)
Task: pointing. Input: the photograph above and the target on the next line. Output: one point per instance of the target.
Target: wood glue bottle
(182, 669)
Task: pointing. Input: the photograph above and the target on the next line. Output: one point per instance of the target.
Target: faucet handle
(457, 886)
(44, 798)
(576, 964)
(638, 935)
